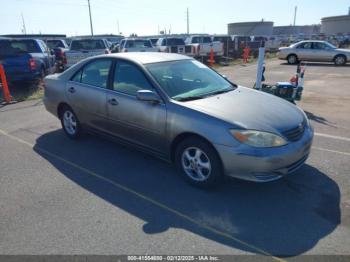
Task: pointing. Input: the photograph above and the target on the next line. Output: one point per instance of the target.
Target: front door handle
(113, 101)
(71, 90)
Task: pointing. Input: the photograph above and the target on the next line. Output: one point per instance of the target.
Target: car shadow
(318, 119)
(317, 64)
(284, 218)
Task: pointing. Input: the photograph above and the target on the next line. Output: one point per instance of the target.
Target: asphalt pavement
(93, 196)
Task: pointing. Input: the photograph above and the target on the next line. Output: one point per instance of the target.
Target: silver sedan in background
(180, 110)
(314, 51)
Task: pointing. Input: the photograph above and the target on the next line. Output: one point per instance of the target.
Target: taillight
(64, 59)
(198, 48)
(32, 64)
(193, 49)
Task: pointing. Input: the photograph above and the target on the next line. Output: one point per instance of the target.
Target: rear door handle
(71, 90)
(113, 101)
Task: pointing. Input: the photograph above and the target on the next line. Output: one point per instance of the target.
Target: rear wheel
(292, 59)
(340, 60)
(198, 162)
(70, 123)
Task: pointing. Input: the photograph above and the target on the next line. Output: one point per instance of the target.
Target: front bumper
(265, 164)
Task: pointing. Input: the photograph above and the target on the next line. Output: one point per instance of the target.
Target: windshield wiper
(189, 98)
(220, 92)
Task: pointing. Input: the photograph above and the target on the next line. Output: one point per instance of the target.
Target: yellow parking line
(146, 198)
(331, 151)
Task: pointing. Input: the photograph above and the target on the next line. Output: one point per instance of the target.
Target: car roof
(149, 57)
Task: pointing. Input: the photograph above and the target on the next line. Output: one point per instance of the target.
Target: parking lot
(94, 196)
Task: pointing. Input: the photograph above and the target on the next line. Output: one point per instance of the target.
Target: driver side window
(129, 79)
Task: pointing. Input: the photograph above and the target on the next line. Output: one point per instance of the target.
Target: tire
(70, 123)
(292, 59)
(198, 163)
(340, 60)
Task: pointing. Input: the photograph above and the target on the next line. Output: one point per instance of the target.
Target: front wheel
(340, 60)
(198, 162)
(70, 123)
(292, 59)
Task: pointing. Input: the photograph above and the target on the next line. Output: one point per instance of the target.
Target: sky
(71, 17)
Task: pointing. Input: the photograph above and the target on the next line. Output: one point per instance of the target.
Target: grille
(295, 133)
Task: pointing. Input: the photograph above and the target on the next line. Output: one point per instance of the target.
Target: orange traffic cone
(5, 88)
(211, 59)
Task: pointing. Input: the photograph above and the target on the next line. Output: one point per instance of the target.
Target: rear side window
(27, 46)
(306, 45)
(95, 73)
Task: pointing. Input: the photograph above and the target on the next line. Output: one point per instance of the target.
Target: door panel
(138, 121)
(304, 51)
(87, 93)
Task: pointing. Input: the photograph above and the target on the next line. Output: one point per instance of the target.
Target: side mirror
(148, 96)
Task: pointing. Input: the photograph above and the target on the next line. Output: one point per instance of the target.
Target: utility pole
(118, 27)
(188, 22)
(92, 30)
(24, 29)
(295, 19)
(295, 15)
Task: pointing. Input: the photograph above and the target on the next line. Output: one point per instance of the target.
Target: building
(297, 30)
(334, 25)
(262, 28)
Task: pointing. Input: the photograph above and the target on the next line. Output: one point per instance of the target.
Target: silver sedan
(314, 51)
(178, 109)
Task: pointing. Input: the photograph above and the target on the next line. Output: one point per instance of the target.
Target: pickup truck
(27, 60)
(59, 47)
(136, 45)
(84, 48)
(172, 45)
(201, 46)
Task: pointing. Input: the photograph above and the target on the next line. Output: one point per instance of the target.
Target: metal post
(259, 71)
(92, 30)
(188, 22)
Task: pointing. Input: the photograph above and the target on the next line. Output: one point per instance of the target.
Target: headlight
(258, 138)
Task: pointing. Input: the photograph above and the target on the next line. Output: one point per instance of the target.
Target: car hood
(250, 109)
(343, 50)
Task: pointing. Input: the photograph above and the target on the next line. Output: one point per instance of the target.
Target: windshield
(55, 44)
(188, 79)
(87, 44)
(138, 43)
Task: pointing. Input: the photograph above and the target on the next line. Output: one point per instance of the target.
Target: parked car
(172, 45)
(136, 45)
(59, 46)
(84, 48)
(201, 46)
(180, 110)
(25, 59)
(314, 51)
